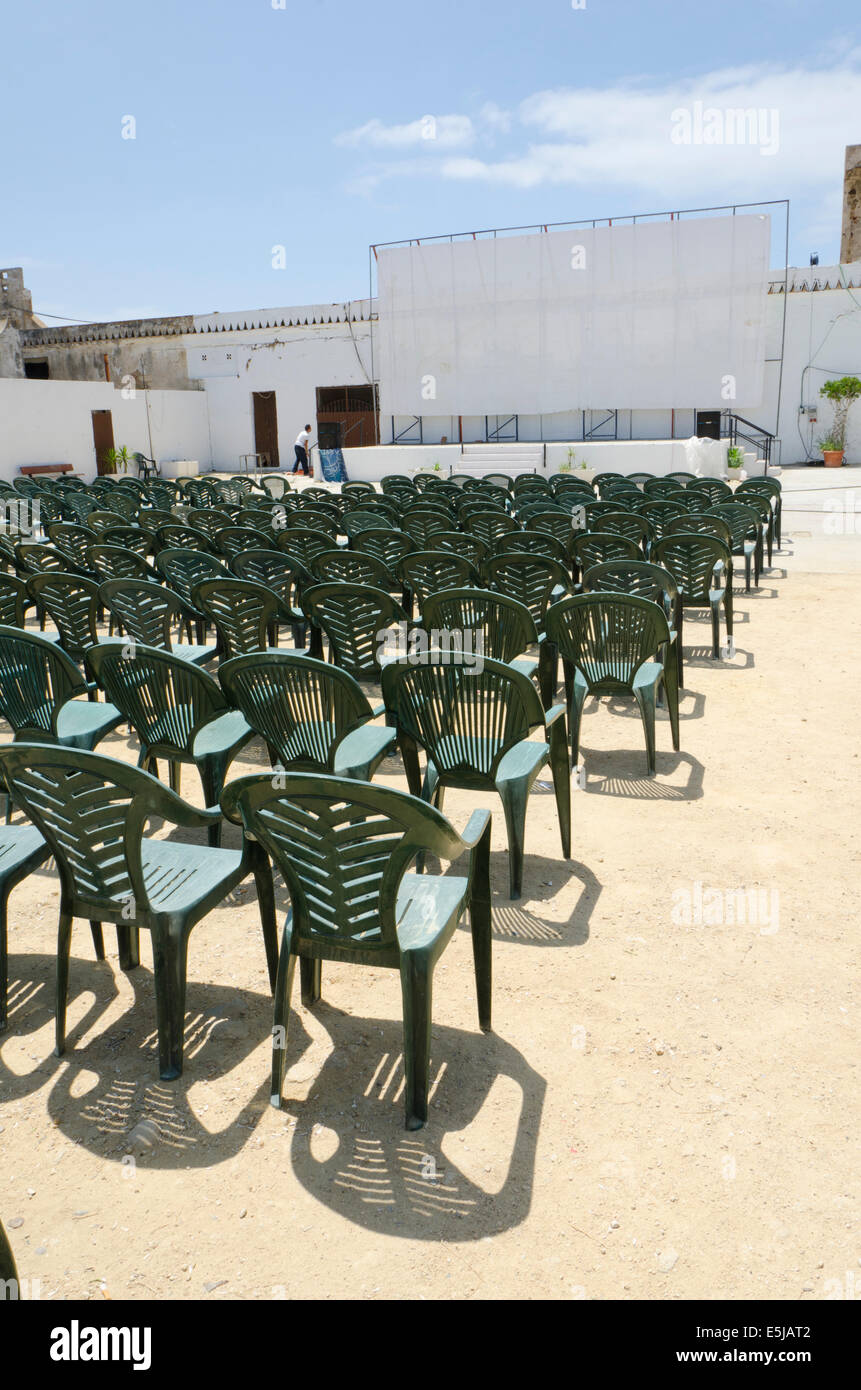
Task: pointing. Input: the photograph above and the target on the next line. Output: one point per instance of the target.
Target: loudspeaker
(708, 424)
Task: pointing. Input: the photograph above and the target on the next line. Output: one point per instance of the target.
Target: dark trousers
(301, 460)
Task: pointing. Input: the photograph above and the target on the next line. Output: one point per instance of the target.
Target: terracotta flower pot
(833, 457)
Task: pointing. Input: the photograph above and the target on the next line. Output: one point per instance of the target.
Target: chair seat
(81, 723)
(221, 734)
(179, 876)
(20, 844)
(194, 652)
(474, 754)
(426, 905)
(362, 747)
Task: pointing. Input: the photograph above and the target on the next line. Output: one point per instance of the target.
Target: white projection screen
(648, 315)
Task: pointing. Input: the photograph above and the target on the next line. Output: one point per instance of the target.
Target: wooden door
(103, 437)
(266, 427)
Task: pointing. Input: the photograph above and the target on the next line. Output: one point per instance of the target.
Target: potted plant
(734, 461)
(841, 391)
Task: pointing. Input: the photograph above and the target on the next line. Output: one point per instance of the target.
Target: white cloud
(621, 136)
(434, 132)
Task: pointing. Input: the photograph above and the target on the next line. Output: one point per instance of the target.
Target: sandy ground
(666, 1109)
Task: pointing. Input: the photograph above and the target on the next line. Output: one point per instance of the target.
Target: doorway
(266, 427)
(103, 438)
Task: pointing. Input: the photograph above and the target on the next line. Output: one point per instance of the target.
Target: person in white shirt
(301, 446)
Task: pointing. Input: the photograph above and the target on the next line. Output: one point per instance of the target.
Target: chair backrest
(691, 560)
(607, 636)
(300, 706)
(633, 577)
(114, 562)
(275, 486)
(426, 572)
(342, 847)
(421, 526)
(178, 537)
(13, 600)
(33, 558)
(72, 603)
(230, 540)
(388, 546)
(530, 579)
(505, 626)
(36, 678)
(241, 611)
(91, 810)
(353, 617)
(681, 478)
(209, 520)
(273, 568)
(660, 487)
(659, 512)
(701, 524)
(199, 492)
(351, 567)
(743, 522)
(470, 547)
(165, 698)
(73, 541)
(629, 524)
(303, 543)
(713, 488)
(184, 569)
(595, 547)
(353, 523)
(532, 543)
(466, 718)
(146, 610)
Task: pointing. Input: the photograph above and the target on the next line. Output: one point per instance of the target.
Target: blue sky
(326, 124)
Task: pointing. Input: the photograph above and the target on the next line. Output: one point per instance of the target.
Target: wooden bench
(32, 470)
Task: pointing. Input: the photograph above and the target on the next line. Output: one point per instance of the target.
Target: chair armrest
(377, 711)
(554, 713)
(476, 827)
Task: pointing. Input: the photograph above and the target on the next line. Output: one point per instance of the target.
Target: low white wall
(51, 422)
(610, 456)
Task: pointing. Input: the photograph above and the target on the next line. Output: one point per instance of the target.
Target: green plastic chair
(702, 568)
(209, 520)
(629, 524)
(427, 572)
(72, 603)
(148, 613)
(770, 488)
(287, 578)
(178, 712)
(661, 487)
(646, 580)
(681, 478)
(745, 536)
(596, 547)
(344, 849)
(532, 580)
(761, 504)
(422, 526)
(353, 617)
(313, 716)
(490, 525)
(658, 512)
(92, 811)
(701, 524)
(231, 540)
(40, 688)
(474, 726)
(608, 643)
(355, 522)
(242, 613)
(72, 542)
(135, 539)
(303, 543)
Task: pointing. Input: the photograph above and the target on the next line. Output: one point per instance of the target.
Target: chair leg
(98, 939)
(646, 700)
(513, 796)
(480, 924)
(169, 950)
(212, 771)
(311, 979)
(174, 772)
(561, 770)
(266, 903)
(715, 607)
(283, 990)
(416, 986)
(577, 700)
(64, 941)
(679, 652)
(128, 945)
(671, 691)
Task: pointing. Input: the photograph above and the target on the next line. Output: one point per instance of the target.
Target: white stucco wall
(51, 422)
